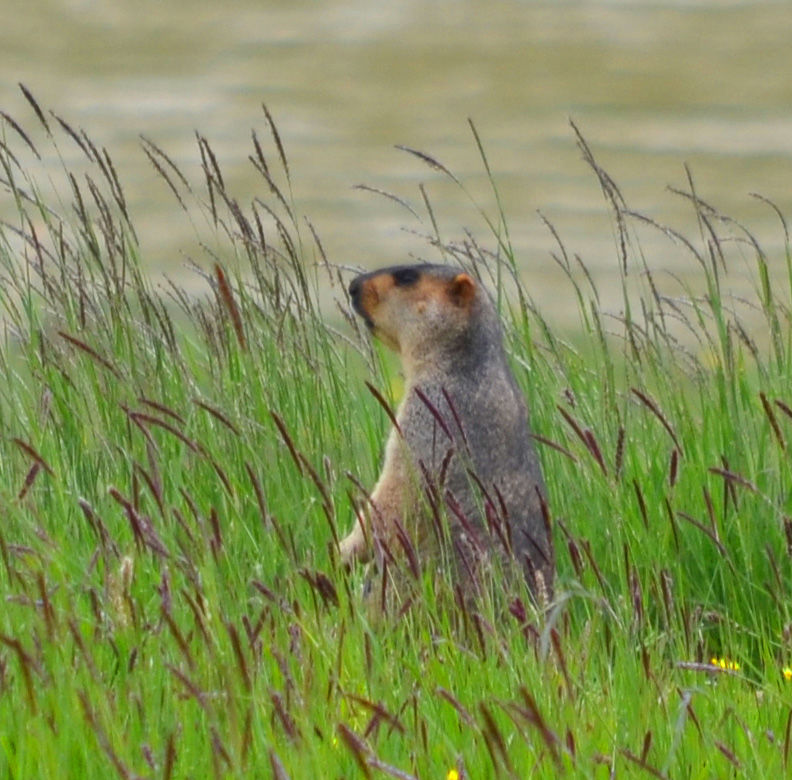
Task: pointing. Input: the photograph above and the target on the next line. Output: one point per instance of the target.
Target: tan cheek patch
(381, 284)
(368, 299)
(374, 292)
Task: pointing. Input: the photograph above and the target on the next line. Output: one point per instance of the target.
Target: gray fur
(461, 397)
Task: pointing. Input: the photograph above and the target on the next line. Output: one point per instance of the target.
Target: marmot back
(462, 438)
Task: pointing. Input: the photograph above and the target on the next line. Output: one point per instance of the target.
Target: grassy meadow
(174, 469)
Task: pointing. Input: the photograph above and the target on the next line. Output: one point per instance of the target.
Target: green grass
(173, 471)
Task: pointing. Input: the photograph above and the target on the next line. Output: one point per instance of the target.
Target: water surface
(651, 84)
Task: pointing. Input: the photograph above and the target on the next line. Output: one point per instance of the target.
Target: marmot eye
(404, 277)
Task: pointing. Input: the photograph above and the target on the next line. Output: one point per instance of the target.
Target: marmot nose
(354, 289)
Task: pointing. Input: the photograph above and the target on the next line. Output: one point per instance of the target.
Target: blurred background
(652, 85)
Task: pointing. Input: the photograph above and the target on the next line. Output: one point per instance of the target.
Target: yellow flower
(452, 774)
(726, 664)
(787, 672)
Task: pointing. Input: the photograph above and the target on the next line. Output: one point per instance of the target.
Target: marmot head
(420, 311)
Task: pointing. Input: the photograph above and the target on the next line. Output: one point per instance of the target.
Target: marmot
(461, 438)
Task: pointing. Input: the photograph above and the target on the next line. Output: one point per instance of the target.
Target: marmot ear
(462, 289)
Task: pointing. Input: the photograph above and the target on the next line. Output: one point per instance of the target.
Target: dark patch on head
(406, 276)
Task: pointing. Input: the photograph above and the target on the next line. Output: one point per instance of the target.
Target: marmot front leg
(354, 546)
(385, 511)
